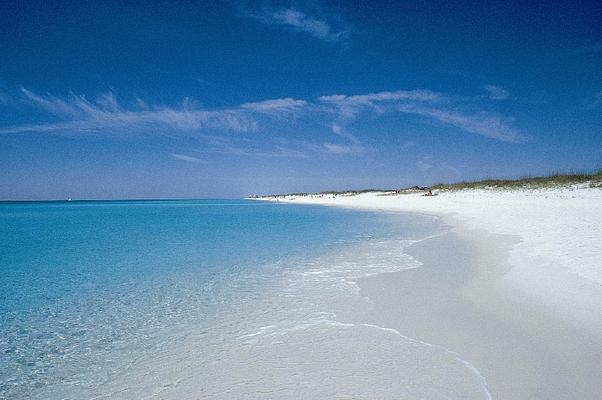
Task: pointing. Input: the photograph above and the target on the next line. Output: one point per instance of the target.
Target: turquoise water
(181, 299)
(53, 251)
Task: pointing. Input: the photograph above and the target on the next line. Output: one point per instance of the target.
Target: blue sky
(188, 99)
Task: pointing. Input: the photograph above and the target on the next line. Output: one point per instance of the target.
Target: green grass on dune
(536, 182)
(593, 180)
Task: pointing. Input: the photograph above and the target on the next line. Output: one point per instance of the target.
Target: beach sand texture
(516, 287)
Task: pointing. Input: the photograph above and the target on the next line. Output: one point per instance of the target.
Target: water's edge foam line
(482, 380)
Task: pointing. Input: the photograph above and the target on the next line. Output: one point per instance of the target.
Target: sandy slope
(557, 261)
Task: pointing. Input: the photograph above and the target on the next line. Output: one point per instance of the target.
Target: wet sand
(457, 300)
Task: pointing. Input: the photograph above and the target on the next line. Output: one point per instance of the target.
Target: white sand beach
(515, 287)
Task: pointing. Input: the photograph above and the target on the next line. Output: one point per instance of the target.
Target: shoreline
(468, 297)
(558, 261)
(451, 301)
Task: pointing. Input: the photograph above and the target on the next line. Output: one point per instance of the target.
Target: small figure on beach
(429, 193)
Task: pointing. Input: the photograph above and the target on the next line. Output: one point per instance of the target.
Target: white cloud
(183, 157)
(425, 103)
(483, 123)
(338, 130)
(300, 21)
(56, 106)
(349, 107)
(305, 23)
(496, 92)
(272, 106)
(107, 115)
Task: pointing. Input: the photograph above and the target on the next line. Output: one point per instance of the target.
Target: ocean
(219, 299)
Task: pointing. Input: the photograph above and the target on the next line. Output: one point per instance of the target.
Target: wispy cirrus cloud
(482, 123)
(76, 114)
(496, 92)
(325, 27)
(352, 144)
(350, 107)
(184, 157)
(337, 129)
(275, 106)
(431, 105)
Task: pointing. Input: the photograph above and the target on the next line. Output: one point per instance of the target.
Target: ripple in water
(258, 304)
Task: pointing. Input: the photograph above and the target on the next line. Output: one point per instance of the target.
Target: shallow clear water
(207, 299)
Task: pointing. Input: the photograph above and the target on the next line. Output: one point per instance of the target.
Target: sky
(182, 99)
